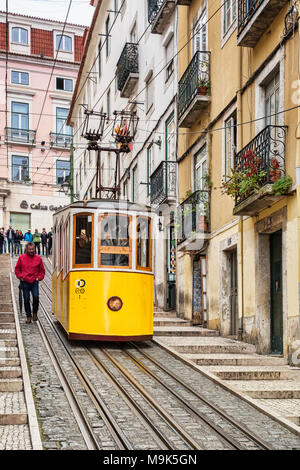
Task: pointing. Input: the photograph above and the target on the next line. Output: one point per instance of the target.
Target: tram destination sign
(39, 206)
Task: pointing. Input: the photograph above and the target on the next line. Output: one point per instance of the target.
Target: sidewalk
(18, 423)
(266, 381)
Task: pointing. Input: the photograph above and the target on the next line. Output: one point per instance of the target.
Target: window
(170, 139)
(200, 34)
(20, 115)
(20, 168)
(169, 58)
(200, 169)
(125, 189)
(229, 14)
(150, 166)
(80, 174)
(134, 184)
(63, 43)
(83, 239)
(272, 101)
(107, 39)
(20, 221)
(230, 143)
(21, 78)
(91, 193)
(61, 119)
(62, 171)
(150, 92)
(77, 184)
(133, 37)
(115, 246)
(143, 243)
(65, 84)
(99, 58)
(20, 35)
(84, 163)
(108, 104)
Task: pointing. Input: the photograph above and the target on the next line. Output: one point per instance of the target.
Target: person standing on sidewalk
(44, 238)
(30, 270)
(50, 235)
(10, 235)
(1, 241)
(18, 239)
(37, 241)
(28, 236)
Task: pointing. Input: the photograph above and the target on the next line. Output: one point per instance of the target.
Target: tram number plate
(80, 284)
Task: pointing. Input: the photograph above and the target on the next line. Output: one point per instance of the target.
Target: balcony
(193, 221)
(193, 89)
(254, 17)
(159, 14)
(163, 183)
(261, 162)
(128, 70)
(60, 140)
(20, 136)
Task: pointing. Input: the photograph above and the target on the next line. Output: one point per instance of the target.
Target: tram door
(199, 290)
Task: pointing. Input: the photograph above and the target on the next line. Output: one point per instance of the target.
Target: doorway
(199, 290)
(276, 293)
(233, 294)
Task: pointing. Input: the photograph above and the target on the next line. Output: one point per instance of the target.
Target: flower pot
(202, 90)
(274, 175)
(202, 224)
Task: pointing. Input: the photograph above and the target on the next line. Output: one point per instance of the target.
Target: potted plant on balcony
(275, 172)
(203, 87)
(202, 217)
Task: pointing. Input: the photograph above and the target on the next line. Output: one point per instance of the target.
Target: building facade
(130, 64)
(238, 170)
(39, 65)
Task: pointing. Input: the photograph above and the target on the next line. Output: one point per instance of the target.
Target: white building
(129, 63)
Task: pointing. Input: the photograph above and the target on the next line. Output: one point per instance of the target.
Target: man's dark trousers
(34, 289)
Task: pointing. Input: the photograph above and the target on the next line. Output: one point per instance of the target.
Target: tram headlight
(114, 304)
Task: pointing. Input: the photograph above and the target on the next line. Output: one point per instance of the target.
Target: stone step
(165, 321)
(12, 408)
(170, 314)
(234, 360)
(11, 385)
(7, 326)
(183, 331)
(8, 334)
(211, 348)
(294, 419)
(7, 317)
(258, 373)
(9, 352)
(9, 362)
(268, 389)
(6, 307)
(10, 372)
(8, 343)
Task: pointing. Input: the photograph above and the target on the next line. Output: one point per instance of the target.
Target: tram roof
(116, 204)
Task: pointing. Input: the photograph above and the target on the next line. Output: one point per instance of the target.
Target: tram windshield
(83, 246)
(115, 242)
(143, 242)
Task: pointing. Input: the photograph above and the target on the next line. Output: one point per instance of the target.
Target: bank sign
(39, 206)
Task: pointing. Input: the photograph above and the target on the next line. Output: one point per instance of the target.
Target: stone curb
(284, 422)
(32, 417)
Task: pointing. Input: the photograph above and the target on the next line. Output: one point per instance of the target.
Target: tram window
(83, 239)
(115, 245)
(143, 243)
(115, 230)
(113, 259)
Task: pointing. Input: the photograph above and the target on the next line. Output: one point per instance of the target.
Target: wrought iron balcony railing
(262, 159)
(163, 183)
(195, 81)
(128, 64)
(159, 14)
(254, 17)
(246, 9)
(60, 140)
(193, 215)
(20, 135)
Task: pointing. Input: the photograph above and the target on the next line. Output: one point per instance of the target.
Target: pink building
(39, 62)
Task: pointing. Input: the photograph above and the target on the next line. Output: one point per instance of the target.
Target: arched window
(64, 43)
(20, 35)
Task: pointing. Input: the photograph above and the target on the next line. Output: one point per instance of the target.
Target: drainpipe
(298, 182)
(241, 220)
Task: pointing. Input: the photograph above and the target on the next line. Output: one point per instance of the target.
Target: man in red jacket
(30, 270)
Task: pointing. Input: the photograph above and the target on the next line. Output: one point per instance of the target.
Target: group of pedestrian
(11, 241)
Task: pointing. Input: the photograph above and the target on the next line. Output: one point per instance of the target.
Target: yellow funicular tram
(102, 281)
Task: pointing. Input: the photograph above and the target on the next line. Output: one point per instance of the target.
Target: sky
(81, 11)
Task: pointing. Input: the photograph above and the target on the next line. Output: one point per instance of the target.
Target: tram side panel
(91, 318)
